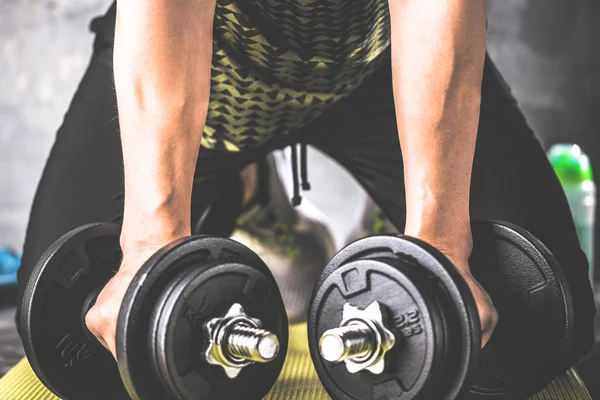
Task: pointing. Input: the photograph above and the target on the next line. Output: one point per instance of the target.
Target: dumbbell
(392, 318)
(202, 319)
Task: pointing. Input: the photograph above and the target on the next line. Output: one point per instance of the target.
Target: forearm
(438, 50)
(162, 62)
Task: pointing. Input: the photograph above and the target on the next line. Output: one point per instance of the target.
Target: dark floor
(11, 350)
(589, 367)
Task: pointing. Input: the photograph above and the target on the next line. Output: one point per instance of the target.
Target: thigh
(82, 181)
(514, 181)
(512, 178)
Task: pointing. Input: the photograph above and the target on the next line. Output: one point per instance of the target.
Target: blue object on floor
(9, 264)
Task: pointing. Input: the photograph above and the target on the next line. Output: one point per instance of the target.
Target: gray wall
(543, 47)
(44, 48)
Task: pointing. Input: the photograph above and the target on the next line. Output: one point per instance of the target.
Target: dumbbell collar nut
(237, 341)
(361, 341)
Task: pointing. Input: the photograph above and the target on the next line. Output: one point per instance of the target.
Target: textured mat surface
(298, 381)
(11, 349)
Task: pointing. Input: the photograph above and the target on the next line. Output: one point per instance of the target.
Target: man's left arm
(438, 52)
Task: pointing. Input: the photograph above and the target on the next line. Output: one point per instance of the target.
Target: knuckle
(99, 318)
(489, 317)
(93, 320)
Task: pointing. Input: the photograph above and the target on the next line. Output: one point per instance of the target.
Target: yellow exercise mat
(298, 380)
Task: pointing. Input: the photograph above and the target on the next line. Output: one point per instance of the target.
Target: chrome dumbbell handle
(236, 341)
(361, 341)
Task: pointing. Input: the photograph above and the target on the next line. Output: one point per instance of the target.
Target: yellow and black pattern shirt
(278, 64)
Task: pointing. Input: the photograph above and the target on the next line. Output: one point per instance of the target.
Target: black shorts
(512, 178)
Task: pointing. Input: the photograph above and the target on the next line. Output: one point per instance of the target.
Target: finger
(113, 350)
(485, 337)
(488, 326)
(102, 342)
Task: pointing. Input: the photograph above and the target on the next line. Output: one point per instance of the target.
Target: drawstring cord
(297, 199)
(304, 167)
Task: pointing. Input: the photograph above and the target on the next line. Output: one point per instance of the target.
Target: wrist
(143, 230)
(449, 232)
(439, 222)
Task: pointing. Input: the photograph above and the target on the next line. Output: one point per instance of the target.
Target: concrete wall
(44, 48)
(543, 47)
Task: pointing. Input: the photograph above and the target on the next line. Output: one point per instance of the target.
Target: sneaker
(9, 264)
(295, 242)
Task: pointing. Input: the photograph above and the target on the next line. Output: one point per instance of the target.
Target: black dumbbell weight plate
(63, 354)
(143, 297)
(178, 341)
(430, 311)
(535, 310)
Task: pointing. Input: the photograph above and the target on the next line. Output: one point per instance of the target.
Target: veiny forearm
(162, 60)
(438, 50)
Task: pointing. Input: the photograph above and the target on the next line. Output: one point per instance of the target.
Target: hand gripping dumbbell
(202, 319)
(391, 318)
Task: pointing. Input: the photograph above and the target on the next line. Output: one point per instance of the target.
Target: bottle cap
(570, 163)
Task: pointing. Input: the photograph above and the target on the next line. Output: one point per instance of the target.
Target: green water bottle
(574, 171)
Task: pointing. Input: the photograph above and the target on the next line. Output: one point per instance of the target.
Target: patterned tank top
(279, 64)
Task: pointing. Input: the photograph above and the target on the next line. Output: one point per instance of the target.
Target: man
(205, 88)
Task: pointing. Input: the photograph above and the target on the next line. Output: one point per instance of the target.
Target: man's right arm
(162, 59)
